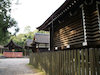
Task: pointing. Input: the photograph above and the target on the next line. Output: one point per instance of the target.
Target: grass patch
(37, 71)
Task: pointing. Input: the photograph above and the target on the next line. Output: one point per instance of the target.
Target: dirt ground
(17, 66)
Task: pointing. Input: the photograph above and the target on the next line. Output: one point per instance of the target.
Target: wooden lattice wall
(81, 27)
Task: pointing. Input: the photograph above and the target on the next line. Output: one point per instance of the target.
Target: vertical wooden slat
(79, 71)
(46, 62)
(87, 62)
(56, 63)
(83, 69)
(46, 65)
(59, 63)
(72, 58)
(50, 63)
(92, 61)
(69, 62)
(53, 64)
(75, 52)
(64, 62)
(97, 53)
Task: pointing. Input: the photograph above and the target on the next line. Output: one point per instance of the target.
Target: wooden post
(84, 26)
(51, 38)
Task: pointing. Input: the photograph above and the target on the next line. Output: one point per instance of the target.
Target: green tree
(5, 21)
(27, 29)
(21, 38)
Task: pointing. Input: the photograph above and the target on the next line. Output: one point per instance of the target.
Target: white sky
(33, 12)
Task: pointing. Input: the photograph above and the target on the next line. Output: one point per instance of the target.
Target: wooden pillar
(51, 38)
(84, 26)
(34, 48)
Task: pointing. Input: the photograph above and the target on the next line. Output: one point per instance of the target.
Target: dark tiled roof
(29, 42)
(13, 44)
(42, 38)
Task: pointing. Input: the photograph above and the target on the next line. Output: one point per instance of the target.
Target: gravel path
(16, 66)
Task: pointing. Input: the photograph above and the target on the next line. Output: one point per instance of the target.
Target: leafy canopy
(6, 21)
(21, 38)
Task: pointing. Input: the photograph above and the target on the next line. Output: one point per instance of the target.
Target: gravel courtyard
(17, 66)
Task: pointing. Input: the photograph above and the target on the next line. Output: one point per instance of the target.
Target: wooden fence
(69, 62)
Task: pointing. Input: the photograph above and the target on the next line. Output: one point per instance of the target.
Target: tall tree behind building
(6, 21)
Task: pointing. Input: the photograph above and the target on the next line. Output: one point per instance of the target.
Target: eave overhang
(65, 8)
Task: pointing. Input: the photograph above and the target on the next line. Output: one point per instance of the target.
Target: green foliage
(5, 21)
(21, 38)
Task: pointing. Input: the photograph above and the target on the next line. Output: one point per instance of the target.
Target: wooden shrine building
(28, 44)
(13, 50)
(28, 47)
(41, 42)
(12, 45)
(76, 24)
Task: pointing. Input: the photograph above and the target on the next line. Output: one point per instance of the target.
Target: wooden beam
(84, 26)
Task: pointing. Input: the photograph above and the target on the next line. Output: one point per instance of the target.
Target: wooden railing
(68, 62)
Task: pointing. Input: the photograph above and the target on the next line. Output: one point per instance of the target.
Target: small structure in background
(12, 45)
(41, 42)
(13, 50)
(28, 46)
